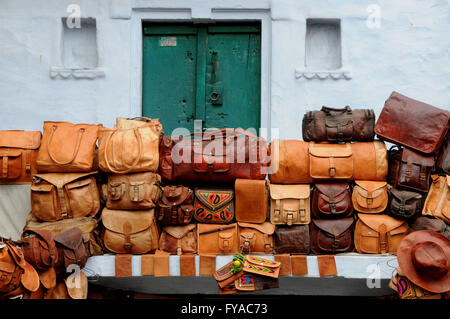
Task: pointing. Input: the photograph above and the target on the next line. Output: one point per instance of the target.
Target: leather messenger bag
(179, 239)
(71, 251)
(437, 203)
(217, 239)
(404, 204)
(331, 236)
(290, 204)
(252, 200)
(338, 125)
(256, 238)
(18, 154)
(331, 200)
(370, 196)
(175, 205)
(39, 248)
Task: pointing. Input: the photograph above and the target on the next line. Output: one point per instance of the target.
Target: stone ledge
(64, 73)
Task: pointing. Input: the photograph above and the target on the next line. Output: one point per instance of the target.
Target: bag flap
(43, 234)
(335, 227)
(10, 153)
(299, 191)
(262, 261)
(7, 267)
(225, 235)
(72, 238)
(179, 231)
(336, 188)
(136, 221)
(410, 156)
(42, 187)
(175, 195)
(330, 150)
(404, 195)
(79, 183)
(214, 199)
(370, 186)
(265, 228)
(61, 179)
(374, 221)
(20, 139)
(85, 224)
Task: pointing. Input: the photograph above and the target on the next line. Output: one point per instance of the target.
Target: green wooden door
(209, 73)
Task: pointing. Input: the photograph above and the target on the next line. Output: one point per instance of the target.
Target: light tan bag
(290, 204)
(437, 203)
(370, 196)
(256, 238)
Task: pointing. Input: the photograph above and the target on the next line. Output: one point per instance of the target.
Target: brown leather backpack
(179, 239)
(404, 204)
(175, 206)
(290, 204)
(437, 203)
(291, 239)
(338, 125)
(18, 153)
(252, 200)
(331, 200)
(256, 238)
(71, 251)
(39, 248)
(370, 196)
(331, 236)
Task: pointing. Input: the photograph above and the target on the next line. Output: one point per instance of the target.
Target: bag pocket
(247, 242)
(81, 199)
(43, 202)
(395, 236)
(10, 164)
(115, 191)
(137, 191)
(226, 242)
(369, 241)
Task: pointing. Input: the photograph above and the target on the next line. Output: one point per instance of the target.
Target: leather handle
(138, 138)
(327, 110)
(75, 151)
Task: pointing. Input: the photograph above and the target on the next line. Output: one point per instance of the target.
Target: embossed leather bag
(256, 238)
(331, 236)
(215, 156)
(290, 204)
(252, 200)
(404, 204)
(217, 239)
(67, 147)
(291, 239)
(338, 125)
(179, 239)
(443, 159)
(175, 205)
(71, 250)
(401, 117)
(132, 191)
(331, 200)
(437, 203)
(56, 196)
(379, 233)
(214, 205)
(18, 154)
(39, 248)
(370, 196)
(129, 232)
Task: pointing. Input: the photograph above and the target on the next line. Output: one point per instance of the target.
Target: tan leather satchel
(379, 233)
(217, 239)
(330, 161)
(67, 147)
(370, 161)
(179, 239)
(256, 238)
(132, 191)
(129, 232)
(252, 200)
(437, 203)
(18, 153)
(290, 204)
(56, 196)
(370, 197)
(130, 147)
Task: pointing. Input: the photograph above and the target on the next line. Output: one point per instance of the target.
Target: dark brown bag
(291, 239)
(175, 206)
(443, 159)
(431, 223)
(332, 236)
(409, 169)
(71, 251)
(404, 204)
(338, 125)
(39, 248)
(331, 200)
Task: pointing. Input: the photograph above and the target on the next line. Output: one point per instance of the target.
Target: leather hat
(424, 258)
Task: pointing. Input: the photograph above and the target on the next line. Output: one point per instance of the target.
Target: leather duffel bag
(291, 239)
(179, 240)
(437, 203)
(134, 191)
(67, 147)
(331, 200)
(56, 196)
(370, 161)
(217, 239)
(214, 156)
(129, 232)
(331, 236)
(338, 125)
(18, 154)
(71, 251)
(370, 196)
(411, 123)
(256, 238)
(252, 200)
(443, 159)
(214, 205)
(290, 204)
(379, 233)
(39, 248)
(404, 204)
(175, 206)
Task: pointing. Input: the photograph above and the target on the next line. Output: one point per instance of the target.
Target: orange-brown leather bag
(256, 238)
(330, 161)
(370, 196)
(217, 239)
(370, 161)
(130, 232)
(18, 153)
(56, 196)
(290, 204)
(39, 248)
(379, 233)
(251, 200)
(437, 203)
(179, 239)
(67, 147)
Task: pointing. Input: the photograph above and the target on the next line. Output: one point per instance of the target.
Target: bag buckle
(128, 246)
(210, 168)
(289, 217)
(335, 243)
(226, 244)
(267, 248)
(369, 201)
(333, 207)
(332, 171)
(179, 251)
(383, 246)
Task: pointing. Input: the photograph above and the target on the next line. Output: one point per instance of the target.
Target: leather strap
(383, 239)
(179, 249)
(332, 167)
(276, 211)
(62, 203)
(28, 162)
(127, 240)
(5, 167)
(217, 230)
(268, 247)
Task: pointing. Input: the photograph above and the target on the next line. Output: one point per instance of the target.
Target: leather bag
(437, 203)
(289, 204)
(256, 238)
(331, 236)
(254, 282)
(370, 196)
(331, 200)
(404, 204)
(179, 240)
(175, 205)
(370, 161)
(39, 248)
(18, 154)
(135, 191)
(217, 239)
(443, 159)
(129, 232)
(215, 156)
(431, 223)
(401, 117)
(214, 205)
(379, 233)
(330, 161)
(67, 147)
(338, 125)
(252, 200)
(291, 239)
(71, 251)
(57, 196)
